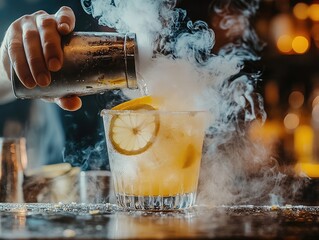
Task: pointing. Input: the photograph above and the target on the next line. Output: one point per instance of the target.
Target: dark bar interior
(46, 185)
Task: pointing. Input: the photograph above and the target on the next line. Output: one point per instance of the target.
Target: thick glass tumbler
(155, 157)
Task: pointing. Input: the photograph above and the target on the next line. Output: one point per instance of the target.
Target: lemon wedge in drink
(133, 132)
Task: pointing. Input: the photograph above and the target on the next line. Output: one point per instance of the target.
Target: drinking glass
(95, 186)
(155, 157)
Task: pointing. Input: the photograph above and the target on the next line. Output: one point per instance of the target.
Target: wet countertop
(106, 221)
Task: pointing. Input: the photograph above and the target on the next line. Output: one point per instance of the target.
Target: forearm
(6, 93)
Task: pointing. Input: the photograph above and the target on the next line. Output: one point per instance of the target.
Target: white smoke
(176, 61)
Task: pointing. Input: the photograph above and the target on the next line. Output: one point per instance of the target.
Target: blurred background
(290, 85)
(289, 65)
(290, 72)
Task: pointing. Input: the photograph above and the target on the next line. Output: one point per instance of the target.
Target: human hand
(32, 45)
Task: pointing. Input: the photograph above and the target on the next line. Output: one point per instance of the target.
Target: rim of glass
(117, 112)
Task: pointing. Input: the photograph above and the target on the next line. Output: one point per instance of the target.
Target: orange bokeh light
(300, 44)
(291, 121)
(313, 12)
(284, 43)
(300, 11)
(296, 99)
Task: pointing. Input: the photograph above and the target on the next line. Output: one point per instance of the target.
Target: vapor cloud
(176, 61)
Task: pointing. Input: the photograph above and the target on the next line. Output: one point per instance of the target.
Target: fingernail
(65, 27)
(43, 80)
(54, 64)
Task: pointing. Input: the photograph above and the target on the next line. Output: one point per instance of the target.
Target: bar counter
(106, 221)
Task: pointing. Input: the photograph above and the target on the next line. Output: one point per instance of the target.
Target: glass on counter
(155, 156)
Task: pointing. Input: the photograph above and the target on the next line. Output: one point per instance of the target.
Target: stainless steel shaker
(94, 62)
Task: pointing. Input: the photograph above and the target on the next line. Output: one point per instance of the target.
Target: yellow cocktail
(154, 156)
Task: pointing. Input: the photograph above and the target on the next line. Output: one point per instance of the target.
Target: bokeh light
(281, 25)
(284, 43)
(272, 93)
(300, 44)
(291, 121)
(296, 99)
(300, 11)
(303, 143)
(313, 12)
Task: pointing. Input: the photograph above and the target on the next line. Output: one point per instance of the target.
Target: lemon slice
(133, 132)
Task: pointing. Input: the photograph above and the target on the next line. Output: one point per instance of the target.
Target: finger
(66, 20)
(17, 56)
(71, 103)
(33, 51)
(50, 41)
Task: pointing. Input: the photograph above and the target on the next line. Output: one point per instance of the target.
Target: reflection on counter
(106, 221)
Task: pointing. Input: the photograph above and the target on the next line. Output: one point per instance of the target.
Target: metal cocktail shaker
(94, 62)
